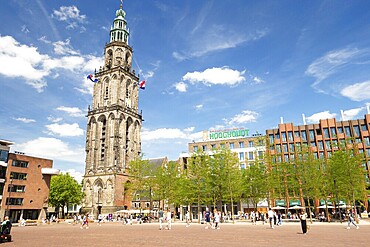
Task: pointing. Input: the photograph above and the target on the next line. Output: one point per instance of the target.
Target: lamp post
(10, 187)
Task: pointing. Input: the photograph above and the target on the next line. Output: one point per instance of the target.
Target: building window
(303, 135)
(296, 133)
(347, 131)
(326, 133)
(260, 154)
(204, 147)
(312, 135)
(250, 156)
(278, 148)
(286, 158)
(368, 152)
(333, 131)
(363, 127)
(290, 136)
(231, 145)
(14, 201)
(285, 148)
(19, 163)
(327, 145)
(313, 144)
(298, 146)
(271, 139)
(356, 130)
(283, 136)
(195, 148)
(241, 156)
(321, 145)
(213, 146)
(251, 144)
(16, 188)
(277, 136)
(367, 141)
(242, 166)
(222, 145)
(241, 144)
(18, 176)
(4, 155)
(340, 130)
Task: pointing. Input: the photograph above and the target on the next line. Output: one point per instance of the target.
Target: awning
(280, 203)
(322, 202)
(294, 203)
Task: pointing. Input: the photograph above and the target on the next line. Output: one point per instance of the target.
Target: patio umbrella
(296, 207)
(323, 206)
(278, 207)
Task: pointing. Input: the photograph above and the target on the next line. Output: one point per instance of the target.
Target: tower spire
(121, 4)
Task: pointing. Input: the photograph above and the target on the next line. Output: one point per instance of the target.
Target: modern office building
(26, 189)
(323, 139)
(4, 156)
(248, 147)
(113, 125)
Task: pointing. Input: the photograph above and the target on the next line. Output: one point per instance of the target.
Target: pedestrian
(271, 215)
(85, 222)
(217, 219)
(187, 218)
(169, 219)
(253, 218)
(207, 218)
(351, 220)
(100, 218)
(303, 218)
(160, 218)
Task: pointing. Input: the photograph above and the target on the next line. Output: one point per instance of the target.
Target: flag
(142, 85)
(91, 78)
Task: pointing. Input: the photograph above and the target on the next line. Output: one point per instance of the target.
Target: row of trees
(217, 179)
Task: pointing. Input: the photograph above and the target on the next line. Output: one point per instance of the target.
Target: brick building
(26, 189)
(323, 139)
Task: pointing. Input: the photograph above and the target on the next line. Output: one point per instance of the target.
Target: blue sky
(208, 65)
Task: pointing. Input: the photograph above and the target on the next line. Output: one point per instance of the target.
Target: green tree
(64, 190)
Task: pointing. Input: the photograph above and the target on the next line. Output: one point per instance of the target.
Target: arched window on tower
(106, 92)
(103, 137)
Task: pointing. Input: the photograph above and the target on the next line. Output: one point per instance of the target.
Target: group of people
(212, 220)
(165, 216)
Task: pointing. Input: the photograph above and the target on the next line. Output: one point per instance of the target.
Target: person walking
(217, 219)
(160, 217)
(100, 218)
(85, 222)
(207, 218)
(187, 218)
(351, 220)
(270, 215)
(303, 218)
(169, 219)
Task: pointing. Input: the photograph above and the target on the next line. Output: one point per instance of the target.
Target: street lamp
(10, 187)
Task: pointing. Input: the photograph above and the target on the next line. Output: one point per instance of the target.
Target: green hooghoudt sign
(225, 134)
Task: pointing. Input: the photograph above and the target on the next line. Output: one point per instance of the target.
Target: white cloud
(53, 119)
(181, 87)
(168, 133)
(216, 76)
(64, 48)
(69, 14)
(199, 107)
(314, 118)
(352, 113)
(25, 120)
(357, 92)
(244, 117)
(25, 29)
(71, 111)
(78, 176)
(51, 148)
(257, 80)
(44, 40)
(334, 62)
(36, 66)
(64, 129)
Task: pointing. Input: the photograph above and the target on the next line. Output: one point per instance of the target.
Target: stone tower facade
(113, 127)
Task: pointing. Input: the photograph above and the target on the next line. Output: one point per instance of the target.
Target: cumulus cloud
(78, 176)
(51, 148)
(36, 66)
(357, 92)
(216, 76)
(314, 118)
(352, 113)
(244, 117)
(257, 80)
(199, 107)
(64, 48)
(64, 129)
(54, 120)
(181, 87)
(71, 111)
(25, 120)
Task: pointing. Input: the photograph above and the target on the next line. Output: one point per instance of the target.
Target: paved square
(239, 234)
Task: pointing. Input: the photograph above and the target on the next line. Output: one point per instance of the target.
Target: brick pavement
(240, 234)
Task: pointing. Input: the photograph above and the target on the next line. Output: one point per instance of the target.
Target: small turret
(119, 31)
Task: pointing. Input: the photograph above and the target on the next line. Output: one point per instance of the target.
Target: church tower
(113, 125)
